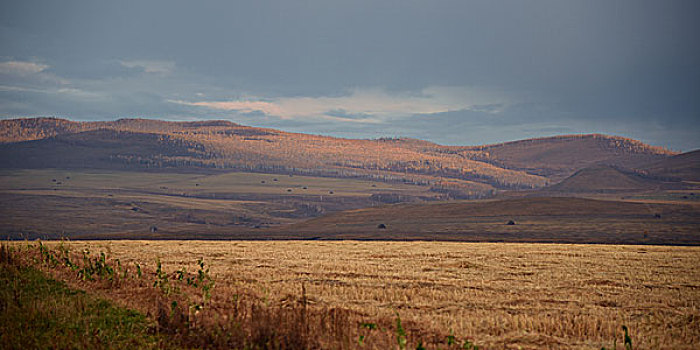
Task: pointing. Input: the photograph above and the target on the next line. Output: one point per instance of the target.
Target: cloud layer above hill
(449, 71)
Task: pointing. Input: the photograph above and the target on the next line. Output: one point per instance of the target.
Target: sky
(452, 72)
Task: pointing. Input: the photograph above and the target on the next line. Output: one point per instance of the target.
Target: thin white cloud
(21, 68)
(28, 76)
(66, 91)
(148, 66)
(375, 105)
(80, 93)
(11, 88)
(240, 106)
(363, 120)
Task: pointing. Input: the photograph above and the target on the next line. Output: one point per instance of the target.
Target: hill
(27, 129)
(681, 167)
(101, 148)
(462, 172)
(560, 156)
(600, 179)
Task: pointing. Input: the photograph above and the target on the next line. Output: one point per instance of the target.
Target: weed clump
(627, 340)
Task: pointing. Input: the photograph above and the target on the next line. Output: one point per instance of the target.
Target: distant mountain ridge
(468, 171)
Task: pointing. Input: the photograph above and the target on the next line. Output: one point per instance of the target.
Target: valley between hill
(137, 178)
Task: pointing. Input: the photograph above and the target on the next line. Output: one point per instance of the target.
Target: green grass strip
(40, 313)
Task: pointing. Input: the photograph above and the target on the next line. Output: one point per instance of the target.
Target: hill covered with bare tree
(469, 171)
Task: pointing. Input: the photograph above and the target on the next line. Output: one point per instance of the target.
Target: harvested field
(511, 296)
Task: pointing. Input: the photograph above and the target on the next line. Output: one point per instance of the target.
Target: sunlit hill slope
(469, 171)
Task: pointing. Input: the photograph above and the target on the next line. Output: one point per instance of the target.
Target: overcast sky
(453, 72)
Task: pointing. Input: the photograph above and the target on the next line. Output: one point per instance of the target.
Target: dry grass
(510, 296)
(96, 203)
(538, 219)
(90, 182)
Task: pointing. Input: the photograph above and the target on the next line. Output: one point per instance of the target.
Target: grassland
(499, 296)
(103, 204)
(535, 219)
(196, 184)
(51, 203)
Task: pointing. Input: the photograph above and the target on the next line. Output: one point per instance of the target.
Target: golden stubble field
(510, 296)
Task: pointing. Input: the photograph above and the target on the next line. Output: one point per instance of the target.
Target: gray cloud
(341, 113)
(521, 68)
(150, 66)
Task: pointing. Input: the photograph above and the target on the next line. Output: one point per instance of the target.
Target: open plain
(108, 204)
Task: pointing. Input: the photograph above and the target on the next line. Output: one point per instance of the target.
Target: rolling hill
(601, 179)
(678, 172)
(681, 167)
(463, 172)
(100, 148)
(221, 180)
(560, 156)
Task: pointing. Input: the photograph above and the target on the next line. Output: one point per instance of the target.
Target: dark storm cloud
(478, 71)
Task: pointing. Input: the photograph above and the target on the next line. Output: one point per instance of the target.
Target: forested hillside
(469, 171)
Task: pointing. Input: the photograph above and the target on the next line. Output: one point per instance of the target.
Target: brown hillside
(681, 167)
(560, 156)
(16, 130)
(464, 171)
(102, 148)
(601, 179)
